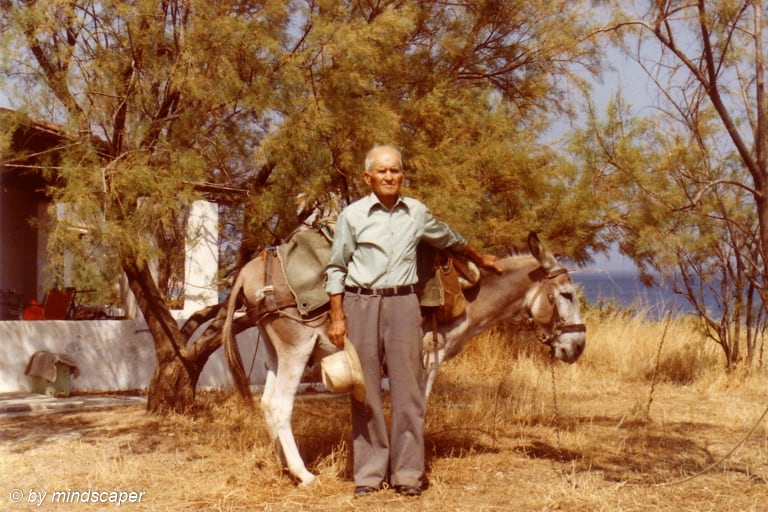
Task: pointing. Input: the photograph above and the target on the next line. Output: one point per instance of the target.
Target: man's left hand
(489, 261)
(484, 260)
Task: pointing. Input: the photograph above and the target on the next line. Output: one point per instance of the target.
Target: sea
(624, 290)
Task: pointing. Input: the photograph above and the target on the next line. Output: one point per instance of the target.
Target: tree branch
(697, 198)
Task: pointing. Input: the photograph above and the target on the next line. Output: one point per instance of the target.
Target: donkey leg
(432, 360)
(449, 342)
(278, 402)
(267, 397)
(432, 355)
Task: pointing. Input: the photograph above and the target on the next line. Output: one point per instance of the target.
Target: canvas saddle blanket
(303, 259)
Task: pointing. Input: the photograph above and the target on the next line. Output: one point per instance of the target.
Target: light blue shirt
(376, 248)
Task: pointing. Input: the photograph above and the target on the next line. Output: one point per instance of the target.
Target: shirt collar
(373, 202)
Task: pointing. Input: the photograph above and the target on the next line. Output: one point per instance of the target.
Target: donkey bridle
(559, 327)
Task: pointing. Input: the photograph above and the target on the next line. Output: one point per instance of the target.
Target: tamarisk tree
(163, 101)
(155, 98)
(699, 214)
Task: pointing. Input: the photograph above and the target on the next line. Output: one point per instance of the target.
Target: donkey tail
(231, 349)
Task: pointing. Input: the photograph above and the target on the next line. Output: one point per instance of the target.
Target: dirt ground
(604, 446)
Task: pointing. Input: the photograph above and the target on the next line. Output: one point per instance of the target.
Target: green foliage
(464, 90)
(154, 99)
(284, 100)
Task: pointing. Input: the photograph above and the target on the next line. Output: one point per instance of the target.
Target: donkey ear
(539, 252)
(534, 245)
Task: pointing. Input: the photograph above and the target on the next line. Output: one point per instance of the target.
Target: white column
(201, 257)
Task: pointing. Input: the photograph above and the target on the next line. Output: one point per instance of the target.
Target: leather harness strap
(559, 327)
(270, 302)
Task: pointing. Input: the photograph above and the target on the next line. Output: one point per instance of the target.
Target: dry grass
(623, 436)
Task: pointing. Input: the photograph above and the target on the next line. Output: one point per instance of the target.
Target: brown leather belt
(384, 292)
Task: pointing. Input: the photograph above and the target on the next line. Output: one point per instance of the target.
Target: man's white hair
(371, 156)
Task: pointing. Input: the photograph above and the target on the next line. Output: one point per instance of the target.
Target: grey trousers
(379, 328)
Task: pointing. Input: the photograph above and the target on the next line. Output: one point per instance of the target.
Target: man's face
(385, 177)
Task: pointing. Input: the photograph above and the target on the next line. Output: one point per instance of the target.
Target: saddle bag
(440, 290)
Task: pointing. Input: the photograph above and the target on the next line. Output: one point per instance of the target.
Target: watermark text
(106, 497)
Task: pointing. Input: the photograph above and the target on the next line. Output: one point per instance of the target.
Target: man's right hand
(338, 328)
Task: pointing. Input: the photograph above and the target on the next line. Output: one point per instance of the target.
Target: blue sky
(638, 91)
(611, 262)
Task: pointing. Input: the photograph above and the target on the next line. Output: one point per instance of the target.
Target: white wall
(117, 355)
(111, 355)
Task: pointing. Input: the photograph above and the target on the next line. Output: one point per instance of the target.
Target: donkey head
(554, 306)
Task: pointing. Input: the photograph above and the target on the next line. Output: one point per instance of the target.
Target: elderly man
(370, 280)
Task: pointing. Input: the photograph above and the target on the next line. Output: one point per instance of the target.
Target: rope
(320, 318)
(556, 412)
(648, 412)
(255, 351)
(721, 460)
(559, 456)
(658, 365)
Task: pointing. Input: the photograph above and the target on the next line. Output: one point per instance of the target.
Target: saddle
(299, 278)
(443, 277)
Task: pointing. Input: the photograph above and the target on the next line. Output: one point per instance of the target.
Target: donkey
(531, 285)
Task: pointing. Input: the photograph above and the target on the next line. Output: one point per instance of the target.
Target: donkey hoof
(307, 479)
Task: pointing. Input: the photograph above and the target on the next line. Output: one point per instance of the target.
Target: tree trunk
(179, 364)
(174, 380)
(762, 211)
(172, 388)
(175, 377)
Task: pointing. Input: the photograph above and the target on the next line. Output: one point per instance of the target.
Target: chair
(58, 303)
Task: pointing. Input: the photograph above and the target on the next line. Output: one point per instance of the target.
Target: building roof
(34, 146)
(30, 144)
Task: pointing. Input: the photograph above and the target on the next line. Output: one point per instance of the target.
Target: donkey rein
(660, 484)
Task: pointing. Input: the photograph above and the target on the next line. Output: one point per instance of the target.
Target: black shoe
(407, 490)
(364, 490)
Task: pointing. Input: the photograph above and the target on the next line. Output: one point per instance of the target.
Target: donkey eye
(567, 296)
